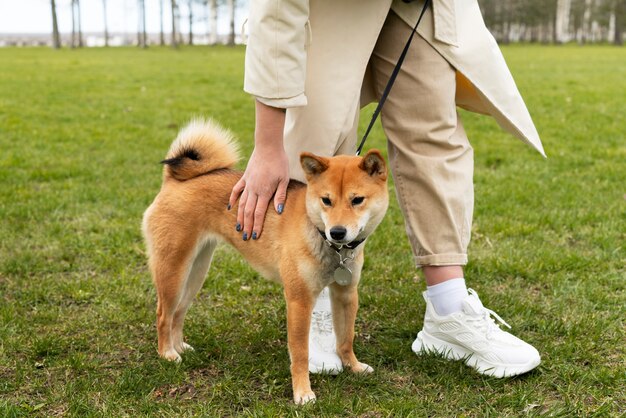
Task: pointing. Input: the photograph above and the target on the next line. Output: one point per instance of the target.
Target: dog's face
(346, 195)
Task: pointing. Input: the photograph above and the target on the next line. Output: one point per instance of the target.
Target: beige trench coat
(284, 33)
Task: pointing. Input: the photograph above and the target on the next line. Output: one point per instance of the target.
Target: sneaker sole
(425, 343)
(332, 370)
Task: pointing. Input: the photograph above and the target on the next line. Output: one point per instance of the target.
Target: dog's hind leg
(191, 287)
(170, 270)
(169, 280)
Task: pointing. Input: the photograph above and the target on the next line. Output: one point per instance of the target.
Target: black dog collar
(351, 245)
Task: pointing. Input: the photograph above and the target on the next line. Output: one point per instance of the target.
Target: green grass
(81, 134)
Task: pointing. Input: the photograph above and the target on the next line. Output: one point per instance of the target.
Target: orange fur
(189, 216)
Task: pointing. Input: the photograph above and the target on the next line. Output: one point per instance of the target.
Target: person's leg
(327, 124)
(429, 154)
(432, 165)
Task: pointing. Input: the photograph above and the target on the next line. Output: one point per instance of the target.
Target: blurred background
(88, 23)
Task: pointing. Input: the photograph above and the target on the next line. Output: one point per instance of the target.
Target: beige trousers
(430, 157)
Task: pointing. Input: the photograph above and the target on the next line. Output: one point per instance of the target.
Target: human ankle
(447, 297)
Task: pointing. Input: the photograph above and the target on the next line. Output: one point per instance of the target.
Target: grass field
(81, 134)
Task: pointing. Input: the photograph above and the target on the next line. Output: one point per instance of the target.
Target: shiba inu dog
(316, 242)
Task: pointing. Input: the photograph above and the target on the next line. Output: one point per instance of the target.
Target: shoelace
(485, 320)
(322, 322)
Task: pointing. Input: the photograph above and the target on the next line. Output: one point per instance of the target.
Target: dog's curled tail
(200, 147)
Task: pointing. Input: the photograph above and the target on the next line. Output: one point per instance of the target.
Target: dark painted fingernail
(238, 227)
(280, 208)
(245, 236)
(254, 235)
(228, 207)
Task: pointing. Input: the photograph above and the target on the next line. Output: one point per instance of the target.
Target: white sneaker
(473, 336)
(323, 356)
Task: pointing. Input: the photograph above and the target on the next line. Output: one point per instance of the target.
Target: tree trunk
(142, 36)
(595, 31)
(620, 20)
(190, 2)
(179, 32)
(80, 25)
(174, 40)
(213, 22)
(162, 34)
(586, 26)
(231, 10)
(561, 24)
(106, 26)
(143, 24)
(534, 34)
(56, 39)
(73, 43)
(139, 23)
(506, 22)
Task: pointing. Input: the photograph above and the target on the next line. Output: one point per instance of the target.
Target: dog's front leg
(299, 309)
(345, 303)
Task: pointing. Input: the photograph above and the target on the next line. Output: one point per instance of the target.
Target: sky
(34, 16)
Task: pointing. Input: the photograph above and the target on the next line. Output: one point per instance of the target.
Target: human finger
(243, 200)
(248, 215)
(259, 216)
(281, 196)
(236, 192)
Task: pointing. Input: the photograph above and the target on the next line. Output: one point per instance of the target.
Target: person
(311, 65)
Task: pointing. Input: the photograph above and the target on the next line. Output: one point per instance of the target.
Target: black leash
(392, 79)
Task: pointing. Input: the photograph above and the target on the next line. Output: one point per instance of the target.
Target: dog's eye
(357, 200)
(326, 201)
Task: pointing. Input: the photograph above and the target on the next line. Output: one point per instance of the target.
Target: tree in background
(619, 20)
(162, 33)
(556, 21)
(190, 5)
(209, 16)
(73, 43)
(106, 27)
(174, 14)
(80, 25)
(561, 22)
(543, 21)
(585, 33)
(212, 4)
(142, 37)
(77, 32)
(231, 14)
(56, 38)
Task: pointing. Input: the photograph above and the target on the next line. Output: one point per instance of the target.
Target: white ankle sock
(447, 297)
(322, 304)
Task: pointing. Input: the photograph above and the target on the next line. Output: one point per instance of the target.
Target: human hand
(266, 176)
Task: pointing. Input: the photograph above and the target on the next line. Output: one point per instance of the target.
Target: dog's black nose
(338, 232)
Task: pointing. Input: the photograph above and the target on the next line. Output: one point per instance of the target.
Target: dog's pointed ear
(373, 164)
(312, 164)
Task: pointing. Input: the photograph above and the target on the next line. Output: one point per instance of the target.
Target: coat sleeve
(275, 64)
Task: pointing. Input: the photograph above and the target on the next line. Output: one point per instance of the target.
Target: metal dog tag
(343, 275)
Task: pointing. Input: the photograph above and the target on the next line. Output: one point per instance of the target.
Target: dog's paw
(172, 355)
(304, 398)
(182, 347)
(362, 368)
